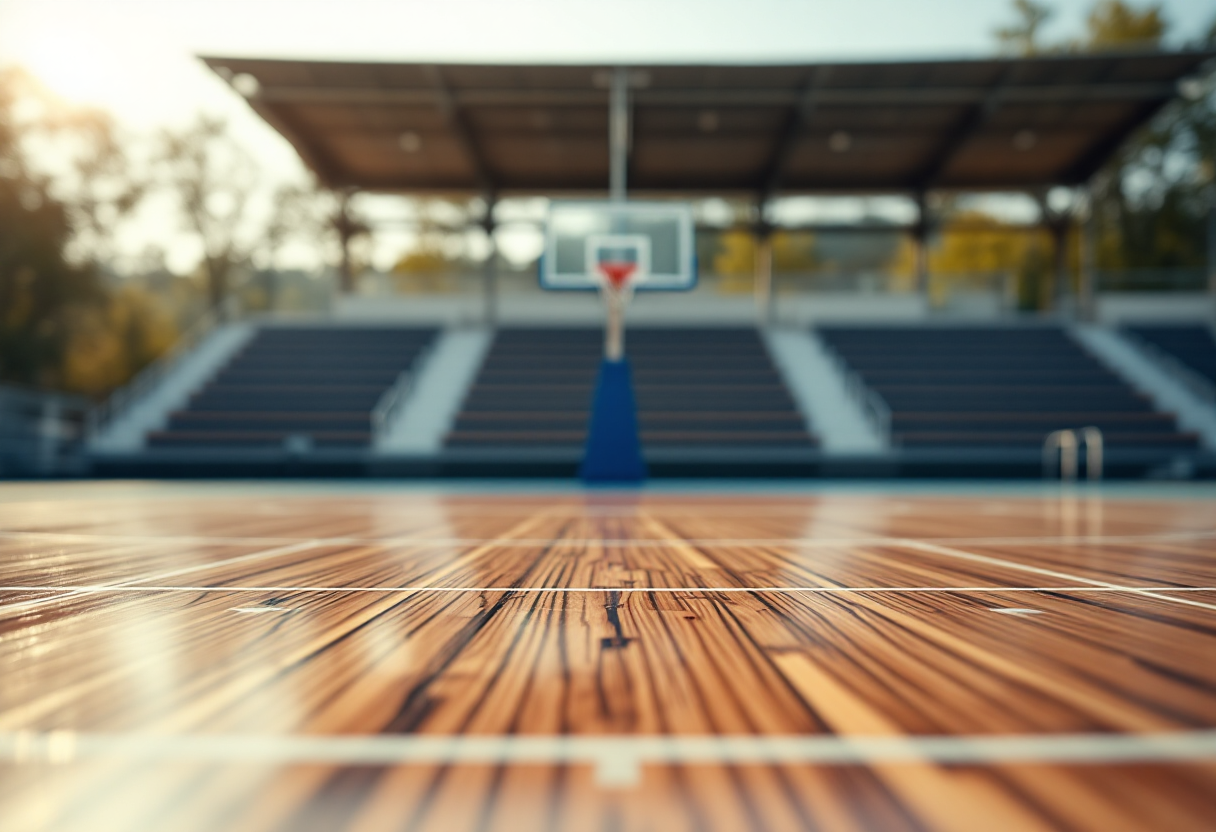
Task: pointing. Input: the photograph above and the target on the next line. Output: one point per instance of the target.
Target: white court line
(617, 760)
(624, 590)
(807, 542)
(185, 570)
(1150, 592)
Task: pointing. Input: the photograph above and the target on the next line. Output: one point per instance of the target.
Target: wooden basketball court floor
(275, 658)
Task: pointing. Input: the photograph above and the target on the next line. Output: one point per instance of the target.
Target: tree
(436, 255)
(213, 179)
(1023, 36)
(110, 341)
(102, 188)
(1113, 25)
(39, 285)
(1151, 198)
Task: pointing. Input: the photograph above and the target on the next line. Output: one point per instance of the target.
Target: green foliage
(212, 177)
(1151, 200)
(1022, 37)
(1113, 25)
(428, 265)
(38, 286)
(61, 326)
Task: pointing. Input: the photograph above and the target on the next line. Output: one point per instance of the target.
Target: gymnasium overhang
(970, 125)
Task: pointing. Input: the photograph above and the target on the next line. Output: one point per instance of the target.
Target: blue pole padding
(613, 452)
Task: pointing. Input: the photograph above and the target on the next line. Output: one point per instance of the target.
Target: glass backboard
(577, 233)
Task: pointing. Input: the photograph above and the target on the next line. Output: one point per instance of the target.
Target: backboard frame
(682, 278)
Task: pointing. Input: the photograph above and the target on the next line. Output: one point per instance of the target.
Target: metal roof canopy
(994, 124)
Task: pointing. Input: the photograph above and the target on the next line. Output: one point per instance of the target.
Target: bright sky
(136, 57)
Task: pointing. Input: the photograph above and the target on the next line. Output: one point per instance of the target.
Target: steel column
(618, 133)
(920, 236)
(490, 265)
(765, 291)
(1212, 242)
(1087, 308)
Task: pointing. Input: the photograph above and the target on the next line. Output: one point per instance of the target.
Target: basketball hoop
(617, 248)
(619, 262)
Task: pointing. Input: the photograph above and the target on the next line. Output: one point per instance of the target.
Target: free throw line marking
(617, 760)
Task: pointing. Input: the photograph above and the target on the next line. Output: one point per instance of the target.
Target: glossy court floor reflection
(244, 658)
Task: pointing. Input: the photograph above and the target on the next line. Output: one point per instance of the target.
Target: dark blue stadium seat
(996, 387)
(695, 388)
(1191, 345)
(318, 384)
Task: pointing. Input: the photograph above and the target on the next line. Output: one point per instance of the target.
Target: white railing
(875, 407)
(392, 399)
(865, 398)
(1066, 444)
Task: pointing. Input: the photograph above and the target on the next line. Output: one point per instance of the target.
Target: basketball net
(618, 262)
(617, 275)
(616, 287)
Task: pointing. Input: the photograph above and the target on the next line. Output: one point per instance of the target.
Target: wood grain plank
(597, 650)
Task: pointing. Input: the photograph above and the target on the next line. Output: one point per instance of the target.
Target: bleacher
(996, 387)
(297, 387)
(695, 388)
(1191, 345)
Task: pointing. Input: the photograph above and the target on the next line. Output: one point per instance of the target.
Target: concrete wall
(1117, 307)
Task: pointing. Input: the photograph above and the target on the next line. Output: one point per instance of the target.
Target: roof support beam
(733, 97)
(1107, 145)
(459, 125)
(797, 119)
(313, 156)
(973, 119)
(618, 134)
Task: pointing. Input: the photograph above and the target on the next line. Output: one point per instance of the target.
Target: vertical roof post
(1087, 299)
(1212, 242)
(618, 132)
(490, 265)
(762, 280)
(920, 236)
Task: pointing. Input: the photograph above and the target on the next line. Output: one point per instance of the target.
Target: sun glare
(71, 66)
(76, 67)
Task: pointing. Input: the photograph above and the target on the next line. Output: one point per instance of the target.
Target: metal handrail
(392, 399)
(1065, 441)
(879, 410)
(865, 397)
(1095, 451)
(124, 397)
(389, 402)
